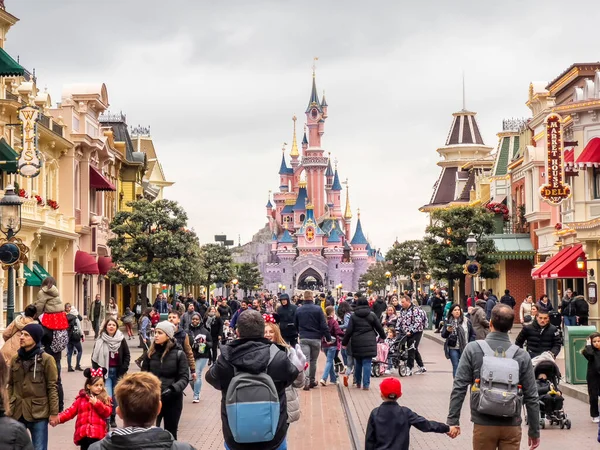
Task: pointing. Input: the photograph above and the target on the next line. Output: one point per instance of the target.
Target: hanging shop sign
(555, 191)
(29, 162)
(592, 293)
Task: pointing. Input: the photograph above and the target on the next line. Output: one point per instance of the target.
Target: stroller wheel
(562, 424)
(403, 370)
(568, 424)
(542, 424)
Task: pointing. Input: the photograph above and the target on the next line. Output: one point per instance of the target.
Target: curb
(354, 439)
(566, 388)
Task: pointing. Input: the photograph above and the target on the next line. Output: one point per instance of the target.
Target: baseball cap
(391, 388)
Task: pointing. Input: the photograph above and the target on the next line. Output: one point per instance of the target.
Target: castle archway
(310, 280)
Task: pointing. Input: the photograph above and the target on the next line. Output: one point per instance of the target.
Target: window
(91, 129)
(596, 182)
(76, 124)
(93, 199)
(77, 186)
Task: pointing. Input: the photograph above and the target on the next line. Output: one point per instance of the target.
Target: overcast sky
(219, 81)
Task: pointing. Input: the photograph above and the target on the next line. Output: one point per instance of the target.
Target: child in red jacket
(92, 408)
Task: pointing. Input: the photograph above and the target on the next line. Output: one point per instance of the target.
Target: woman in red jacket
(92, 408)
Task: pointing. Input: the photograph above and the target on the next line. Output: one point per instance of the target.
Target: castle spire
(294, 152)
(359, 237)
(337, 186)
(283, 169)
(348, 212)
(329, 172)
(314, 95)
(304, 139)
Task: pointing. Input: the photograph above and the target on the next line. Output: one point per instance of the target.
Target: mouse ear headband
(100, 372)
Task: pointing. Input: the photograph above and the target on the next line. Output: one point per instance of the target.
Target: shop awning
(85, 263)
(39, 270)
(99, 181)
(563, 264)
(513, 246)
(31, 279)
(569, 157)
(104, 264)
(9, 67)
(8, 157)
(590, 157)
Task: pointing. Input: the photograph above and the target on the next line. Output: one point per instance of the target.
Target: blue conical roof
(314, 97)
(304, 139)
(301, 200)
(359, 237)
(286, 237)
(283, 170)
(337, 186)
(269, 204)
(329, 172)
(334, 236)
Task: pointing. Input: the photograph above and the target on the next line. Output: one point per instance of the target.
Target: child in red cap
(389, 424)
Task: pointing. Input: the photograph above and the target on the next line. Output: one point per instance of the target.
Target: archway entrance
(310, 280)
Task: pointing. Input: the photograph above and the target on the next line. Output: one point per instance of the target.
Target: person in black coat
(251, 352)
(214, 323)
(361, 334)
(199, 335)
(539, 337)
(379, 306)
(75, 333)
(224, 310)
(437, 306)
(591, 352)
(508, 299)
(168, 362)
(287, 319)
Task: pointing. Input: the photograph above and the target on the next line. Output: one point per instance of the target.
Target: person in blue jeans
(458, 332)
(201, 344)
(363, 329)
(330, 348)
(568, 309)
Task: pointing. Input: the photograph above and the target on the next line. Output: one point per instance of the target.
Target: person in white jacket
(525, 310)
(297, 358)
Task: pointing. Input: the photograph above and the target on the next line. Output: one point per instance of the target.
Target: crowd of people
(262, 350)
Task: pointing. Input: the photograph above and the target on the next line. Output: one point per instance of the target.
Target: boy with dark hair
(138, 396)
(389, 424)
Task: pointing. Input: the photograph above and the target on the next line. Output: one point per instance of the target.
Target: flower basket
(23, 193)
(52, 204)
(500, 209)
(40, 200)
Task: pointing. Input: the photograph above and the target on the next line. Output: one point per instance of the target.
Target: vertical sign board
(555, 191)
(29, 162)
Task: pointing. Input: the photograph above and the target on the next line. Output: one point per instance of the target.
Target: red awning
(569, 156)
(590, 157)
(85, 263)
(99, 181)
(104, 264)
(563, 265)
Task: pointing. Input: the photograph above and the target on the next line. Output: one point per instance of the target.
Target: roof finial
(283, 148)
(464, 96)
(314, 67)
(348, 212)
(294, 151)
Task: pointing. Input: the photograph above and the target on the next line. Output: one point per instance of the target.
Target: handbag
(452, 340)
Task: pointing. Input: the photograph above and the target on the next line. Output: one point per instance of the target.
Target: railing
(516, 226)
(44, 120)
(58, 129)
(11, 96)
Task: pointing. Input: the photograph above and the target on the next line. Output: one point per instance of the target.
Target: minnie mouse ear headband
(269, 318)
(100, 372)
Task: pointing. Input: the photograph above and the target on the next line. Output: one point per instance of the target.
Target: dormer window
(314, 113)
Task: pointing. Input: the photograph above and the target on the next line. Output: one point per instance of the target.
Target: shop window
(596, 181)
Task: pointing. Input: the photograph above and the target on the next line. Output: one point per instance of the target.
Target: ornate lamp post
(473, 267)
(12, 251)
(388, 276)
(339, 290)
(280, 288)
(234, 282)
(416, 277)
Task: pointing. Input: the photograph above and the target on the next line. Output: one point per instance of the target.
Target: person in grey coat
(481, 326)
(505, 431)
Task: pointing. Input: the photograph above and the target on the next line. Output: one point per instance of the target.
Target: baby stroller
(397, 355)
(228, 333)
(551, 399)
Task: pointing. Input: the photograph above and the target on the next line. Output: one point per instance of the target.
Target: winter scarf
(209, 321)
(459, 330)
(106, 348)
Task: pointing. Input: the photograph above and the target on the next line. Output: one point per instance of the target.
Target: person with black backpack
(502, 380)
(252, 374)
(75, 336)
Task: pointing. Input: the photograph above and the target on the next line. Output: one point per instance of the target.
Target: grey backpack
(499, 392)
(252, 405)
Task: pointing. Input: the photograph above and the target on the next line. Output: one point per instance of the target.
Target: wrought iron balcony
(515, 225)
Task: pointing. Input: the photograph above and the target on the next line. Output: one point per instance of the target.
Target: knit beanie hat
(35, 331)
(166, 327)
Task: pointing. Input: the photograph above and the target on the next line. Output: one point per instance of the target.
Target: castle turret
(348, 212)
(294, 153)
(269, 206)
(284, 173)
(310, 235)
(333, 254)
(286, 253)
(300, 205)
(359, 253)
(304, 142)
(336, 195)
(314, 162)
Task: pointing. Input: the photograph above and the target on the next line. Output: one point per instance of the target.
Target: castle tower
(347, 213)
(336, 195)
(360, 254)
(310, 235)
(314, 163)
(299, 207)
(269, 207)
(284, 173)
(294, 155)
(286, 252)
(304, 142)
(328, 185)
(333, 254)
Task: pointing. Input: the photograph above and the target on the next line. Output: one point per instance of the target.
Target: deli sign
(29, 162)
(555, 191)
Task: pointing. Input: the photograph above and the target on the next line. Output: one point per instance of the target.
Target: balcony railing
(44, 120)
(11, 96)
(516, 226)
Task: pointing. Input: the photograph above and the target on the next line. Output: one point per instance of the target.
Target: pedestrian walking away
(33, 379)
(508, 299)
(92, 407)
(111, 351)
(75, 333)
(251, 357)
(97, 313)
(497, 418)
(389, 424)
(412, 322)
(168, 362)
(362, 332)
(139, 398)
(128, 319)
(331, 348)
(481, 325)
(312, 327)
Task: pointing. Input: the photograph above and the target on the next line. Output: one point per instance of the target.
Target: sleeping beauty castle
(307, 243)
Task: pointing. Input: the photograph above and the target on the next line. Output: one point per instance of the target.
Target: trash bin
(428, 311)
(164, 316)
(575, 363)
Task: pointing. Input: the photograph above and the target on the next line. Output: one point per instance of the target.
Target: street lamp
(234, 290)
(388, 275)
(10, 225)
(580, 264)
(280, 287)
(339, 290)
(416, 266)
(472, 253)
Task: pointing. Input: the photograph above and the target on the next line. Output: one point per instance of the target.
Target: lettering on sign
(555, 191)
(29, 161)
